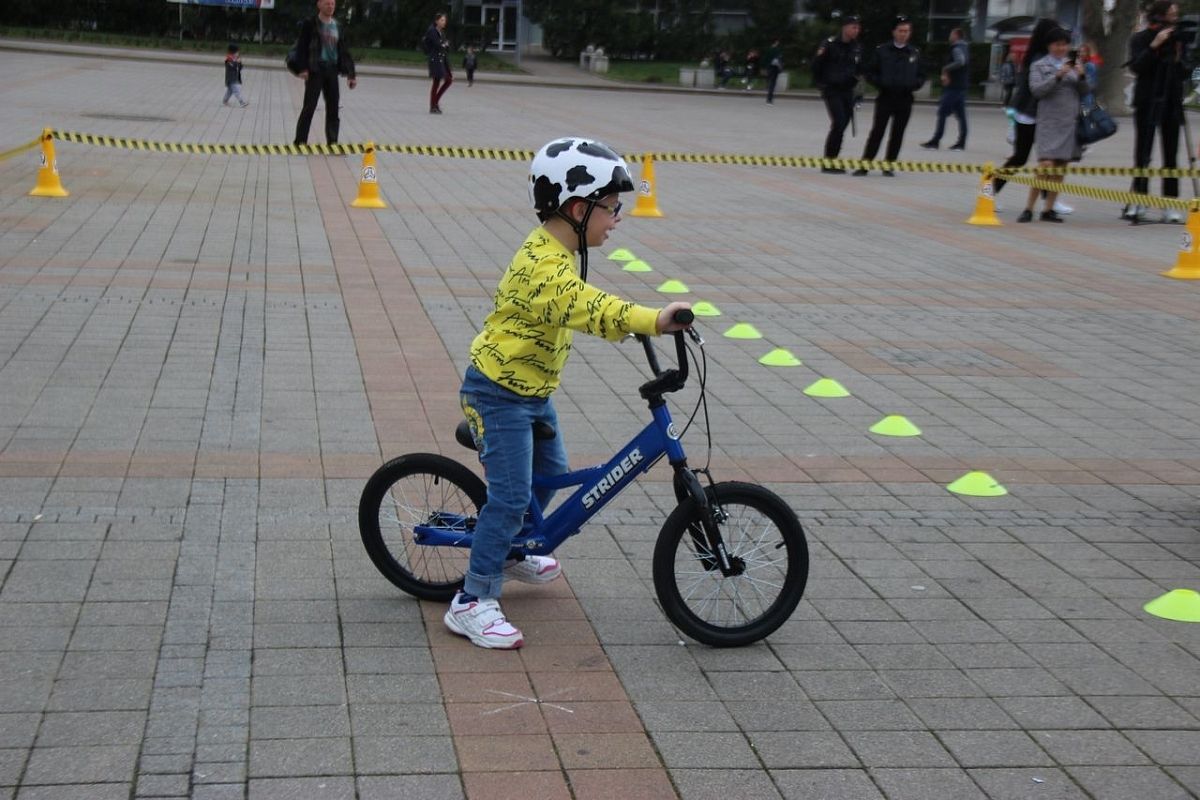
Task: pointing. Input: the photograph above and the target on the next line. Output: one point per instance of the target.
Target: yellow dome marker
(1181, 605)
(621, 254)
(705, 309)
(637, 265)
(743, 330)
(826, 387)
(895, 425)
(977, 484)
(674, 287)
(780, 357)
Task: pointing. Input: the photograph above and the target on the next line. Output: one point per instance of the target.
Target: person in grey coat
(1058, 84)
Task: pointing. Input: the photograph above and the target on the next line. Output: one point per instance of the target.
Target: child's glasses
(614, 209)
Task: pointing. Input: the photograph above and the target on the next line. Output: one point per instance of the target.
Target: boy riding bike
(517, 360)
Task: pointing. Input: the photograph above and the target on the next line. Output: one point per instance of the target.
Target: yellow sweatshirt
(540, 303)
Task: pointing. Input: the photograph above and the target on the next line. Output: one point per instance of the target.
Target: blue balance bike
(730, 563)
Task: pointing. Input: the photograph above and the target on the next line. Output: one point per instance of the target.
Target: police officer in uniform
(836, 69)
(896, 72)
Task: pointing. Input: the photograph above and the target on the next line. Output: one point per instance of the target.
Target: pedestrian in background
(1008, 78)
(1091, 71)
(1156, 58)
(774, 67)
(722, 70)
(233, 76)
(956, 77)
(895, 70)
(1058, 84)
(437, 51)
(836, 70)
(753, 60)
(1025, 109)
(322, 55)
(470, 61)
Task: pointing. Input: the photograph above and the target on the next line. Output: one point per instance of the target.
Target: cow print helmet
(574, 167)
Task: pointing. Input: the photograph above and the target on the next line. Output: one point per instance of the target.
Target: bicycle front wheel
(766, 545)
(419, 489)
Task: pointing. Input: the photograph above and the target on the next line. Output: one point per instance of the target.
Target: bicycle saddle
(462, 433)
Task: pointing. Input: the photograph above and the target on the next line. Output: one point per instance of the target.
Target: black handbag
(292, 60)
(1094, 124)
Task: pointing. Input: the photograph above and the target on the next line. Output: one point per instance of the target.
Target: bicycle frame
(598, 485)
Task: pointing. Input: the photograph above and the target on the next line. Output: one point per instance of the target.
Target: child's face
(604, 219)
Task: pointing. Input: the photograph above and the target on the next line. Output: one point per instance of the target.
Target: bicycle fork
(707, 541)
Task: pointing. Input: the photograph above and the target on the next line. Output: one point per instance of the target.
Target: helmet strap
(580, 229)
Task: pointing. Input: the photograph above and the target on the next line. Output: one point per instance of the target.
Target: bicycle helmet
(570, 167)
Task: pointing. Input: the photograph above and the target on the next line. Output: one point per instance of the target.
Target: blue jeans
(953, 101)
(502, 427)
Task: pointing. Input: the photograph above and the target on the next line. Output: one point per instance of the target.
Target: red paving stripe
(522, 713)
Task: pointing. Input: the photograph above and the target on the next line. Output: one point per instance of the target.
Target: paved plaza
(202, 358)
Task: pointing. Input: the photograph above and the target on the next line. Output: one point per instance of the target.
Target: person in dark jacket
(1156, 58)
(956, 77)
(836, 70)
(233, 76)
(1008, 79)
(1024, 104)
(774, 58)
(896, 72)
(437, 51)
(322, 55)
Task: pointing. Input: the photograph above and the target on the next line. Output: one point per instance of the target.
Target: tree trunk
(1110, 32)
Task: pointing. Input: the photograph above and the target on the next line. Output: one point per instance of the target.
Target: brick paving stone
(836, 784)
(926, 784)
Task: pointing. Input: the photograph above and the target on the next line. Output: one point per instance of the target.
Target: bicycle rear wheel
(414, 489)
(766, 544)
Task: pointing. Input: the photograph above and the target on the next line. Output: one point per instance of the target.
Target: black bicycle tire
(677, 525)
(371, 502)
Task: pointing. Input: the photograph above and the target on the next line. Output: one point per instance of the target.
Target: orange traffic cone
(985, 203)
(368, 184)
(647, 203)
(1187, 266)
(48, 183)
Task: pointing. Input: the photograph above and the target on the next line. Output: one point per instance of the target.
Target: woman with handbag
(1057, 82)
(1024, 108)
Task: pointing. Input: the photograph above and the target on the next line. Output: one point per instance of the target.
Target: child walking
(518, 358)
(470, 62)
(233, 76)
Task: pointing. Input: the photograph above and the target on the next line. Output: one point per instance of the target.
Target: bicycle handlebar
(672, 379)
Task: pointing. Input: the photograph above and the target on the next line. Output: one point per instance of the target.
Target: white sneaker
(1173, 215)
(534, 569)
(1062, 208)
(1134, 213)
(483, 623)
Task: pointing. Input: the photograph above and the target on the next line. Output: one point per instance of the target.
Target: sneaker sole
(480, 641)
(534, 579)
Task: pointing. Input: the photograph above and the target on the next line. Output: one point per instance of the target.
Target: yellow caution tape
(205, 148)
(490, 153)
(7, 154)
(1112, 195)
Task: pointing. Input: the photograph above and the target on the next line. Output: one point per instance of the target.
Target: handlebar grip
(683, 316)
